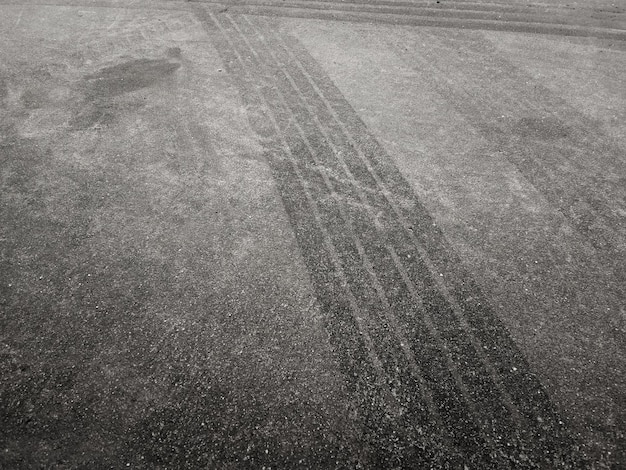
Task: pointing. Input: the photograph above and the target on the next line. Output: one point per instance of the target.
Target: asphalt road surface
(313, 234)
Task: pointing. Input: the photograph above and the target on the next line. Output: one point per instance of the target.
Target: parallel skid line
(363, 197)
(382, 187)
(504, 427)
(363, 322)
(387, 318)
(353, 305)
(328, 245)
(392, 6)
(460, 14)
(434, 334)
(536, 19)
(615, 34)
(516, 377)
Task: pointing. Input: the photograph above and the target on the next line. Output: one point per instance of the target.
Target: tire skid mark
(346, 327)
(435, 17)
(326, 267)
(329, 215)
(451, 5)
(492, 411)
(381, 204)
(402, 374)
(387, 318)
(479, 383)
(342, 147)
(448, 5)
(443, 11)
(591, 215)
(448, 277)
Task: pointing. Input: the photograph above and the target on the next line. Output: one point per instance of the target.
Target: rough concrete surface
(313, 234)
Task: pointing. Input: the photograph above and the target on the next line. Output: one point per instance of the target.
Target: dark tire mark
(532, 19)
(546, 17)
(461, 290)
(463, 424)
(450, 277)
(354, 353)
(363, 221)
(460, 391)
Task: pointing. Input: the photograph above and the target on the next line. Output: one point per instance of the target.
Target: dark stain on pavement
(174, 52)
(129, 76)
(104, 90)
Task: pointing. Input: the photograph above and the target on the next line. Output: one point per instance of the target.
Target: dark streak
(327, 213)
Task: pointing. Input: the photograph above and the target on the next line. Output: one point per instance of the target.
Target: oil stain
(129, 76)
(103, 90)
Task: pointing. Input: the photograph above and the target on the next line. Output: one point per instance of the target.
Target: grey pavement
(313, 234)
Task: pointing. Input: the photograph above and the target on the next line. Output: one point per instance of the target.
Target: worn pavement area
(313, 234)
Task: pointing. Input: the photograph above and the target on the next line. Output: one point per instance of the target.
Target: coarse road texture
(313, 234)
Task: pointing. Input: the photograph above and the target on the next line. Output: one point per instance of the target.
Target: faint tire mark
(308, 188)
(497, 17)
(370, 243)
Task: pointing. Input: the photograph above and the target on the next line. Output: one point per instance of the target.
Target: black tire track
(451, 281)
(462, 423)
(358, 285)
(490, 410)
(531, 19)
(438, 301)
(400, 376)
(498, 13)
(356, 352)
